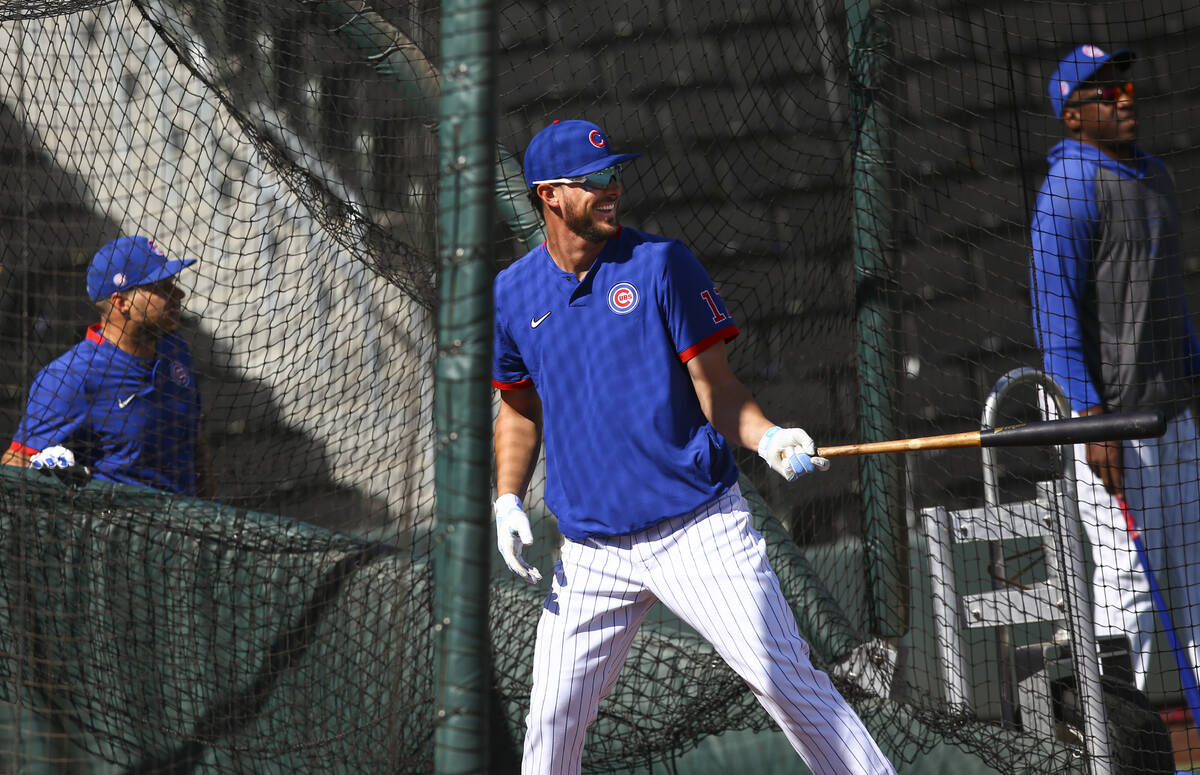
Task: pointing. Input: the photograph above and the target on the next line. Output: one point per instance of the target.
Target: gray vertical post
(1077, 592)
(948, 624)
(886, 534)
(466, 211)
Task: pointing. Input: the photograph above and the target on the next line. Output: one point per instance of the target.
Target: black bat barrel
(1078, 430)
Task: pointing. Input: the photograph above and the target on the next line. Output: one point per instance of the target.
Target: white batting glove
(513, 535)
(791, 452)
(53, 457)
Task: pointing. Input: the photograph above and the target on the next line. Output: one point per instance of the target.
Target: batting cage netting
(858, 177)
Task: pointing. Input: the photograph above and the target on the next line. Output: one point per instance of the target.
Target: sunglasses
(164, 287)
(1108, 93)
(596, 181)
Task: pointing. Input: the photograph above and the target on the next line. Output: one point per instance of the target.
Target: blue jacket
(1107, 282)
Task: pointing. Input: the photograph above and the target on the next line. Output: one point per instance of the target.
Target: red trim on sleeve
(525, 383)
(726, 334)
(17, 446)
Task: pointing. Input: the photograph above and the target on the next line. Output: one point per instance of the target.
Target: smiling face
(589, 212)
(592, 214)
(155, 308)
(1101, 113)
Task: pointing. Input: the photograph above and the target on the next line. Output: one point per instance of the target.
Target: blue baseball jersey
(627, 444)
(130, 419)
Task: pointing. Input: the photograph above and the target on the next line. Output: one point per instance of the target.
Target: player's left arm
(15, 456)
(726, 402)
(700, 325)
(734, 412)
(54, 413)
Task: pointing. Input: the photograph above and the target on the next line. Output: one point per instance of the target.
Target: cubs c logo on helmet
(596, 138)
(623, 298)
(1095, 52)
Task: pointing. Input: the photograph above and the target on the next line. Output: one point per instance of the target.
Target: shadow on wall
(48, 233)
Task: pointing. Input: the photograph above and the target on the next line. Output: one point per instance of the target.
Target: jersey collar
(94, 336)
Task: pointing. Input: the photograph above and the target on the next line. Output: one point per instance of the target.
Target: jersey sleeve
(56, 411)
(508, 368)
(1065, 222)
(695, 313)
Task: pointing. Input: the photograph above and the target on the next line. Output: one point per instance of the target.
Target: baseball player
(611, 342)
(1115, 332)
(124, 401)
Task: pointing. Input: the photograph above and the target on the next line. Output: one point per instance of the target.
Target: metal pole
(1077, 603)
(463, 410)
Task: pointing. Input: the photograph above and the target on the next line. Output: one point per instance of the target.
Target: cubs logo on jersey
(179, 373)
(623, 298)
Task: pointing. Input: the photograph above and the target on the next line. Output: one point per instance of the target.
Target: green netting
(856, 176)
(164, 634)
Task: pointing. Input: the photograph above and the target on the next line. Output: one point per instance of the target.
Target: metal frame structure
(1063, 597)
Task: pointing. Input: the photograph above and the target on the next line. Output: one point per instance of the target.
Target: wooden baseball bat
(1074, 430)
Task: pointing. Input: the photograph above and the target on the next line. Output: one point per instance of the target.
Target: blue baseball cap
(1077, 67)
(128, 262)
(568, 149)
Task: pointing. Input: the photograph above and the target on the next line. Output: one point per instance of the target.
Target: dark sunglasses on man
(1110, 92)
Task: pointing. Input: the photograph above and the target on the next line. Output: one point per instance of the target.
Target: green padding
(770, 752)
(395, 55)
(161, 630)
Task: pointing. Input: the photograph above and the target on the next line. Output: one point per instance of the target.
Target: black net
(859, 180)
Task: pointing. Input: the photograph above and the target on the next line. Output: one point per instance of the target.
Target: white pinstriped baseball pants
(1162, 490)
(1120, 592)
(710, 568)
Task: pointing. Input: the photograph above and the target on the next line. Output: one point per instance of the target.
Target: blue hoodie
(1107, 283)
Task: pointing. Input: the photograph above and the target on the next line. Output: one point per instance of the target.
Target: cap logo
(120, 279)
(180, 373)
(1093, 52)
(155, 249)
(623, 298)
(1064, 88)
(596, 138)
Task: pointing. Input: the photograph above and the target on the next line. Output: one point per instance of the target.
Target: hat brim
(596, 165)
(1122, 59)
(168, 269)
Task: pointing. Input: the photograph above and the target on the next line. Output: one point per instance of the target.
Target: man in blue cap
(1116, 334)
(124, 401)
(612, 342)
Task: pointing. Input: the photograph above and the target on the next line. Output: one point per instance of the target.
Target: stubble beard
(584, 225)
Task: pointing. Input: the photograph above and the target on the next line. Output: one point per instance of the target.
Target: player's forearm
(726, 402)
(737, 416)
(14, 457)
(517, 441)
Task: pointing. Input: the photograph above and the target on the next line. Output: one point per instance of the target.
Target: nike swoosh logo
(122, 403)
(535, 322)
